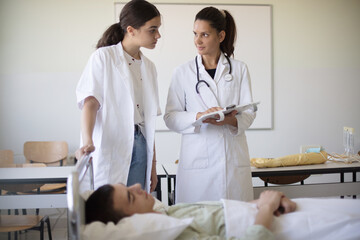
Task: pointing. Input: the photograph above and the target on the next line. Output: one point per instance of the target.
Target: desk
(312, 190)
(340, 188)
(45, 175)
(160, 170)
(34, 175)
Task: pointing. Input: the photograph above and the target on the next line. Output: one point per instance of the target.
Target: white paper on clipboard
(238, 108)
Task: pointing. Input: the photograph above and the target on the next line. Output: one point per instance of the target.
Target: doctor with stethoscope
(214, 161)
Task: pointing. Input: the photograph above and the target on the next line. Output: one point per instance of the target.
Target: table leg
(354, 180)
(342, 180)
(158, 189)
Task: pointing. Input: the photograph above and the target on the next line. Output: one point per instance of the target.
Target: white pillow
(138, 227)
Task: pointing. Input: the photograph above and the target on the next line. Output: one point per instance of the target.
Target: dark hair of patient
(135, 13)
(99, 206)
(220, 23)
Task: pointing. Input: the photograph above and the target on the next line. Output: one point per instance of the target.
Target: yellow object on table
(290, 160)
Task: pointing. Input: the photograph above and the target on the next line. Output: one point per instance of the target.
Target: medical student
(118, 95)
(214, 160)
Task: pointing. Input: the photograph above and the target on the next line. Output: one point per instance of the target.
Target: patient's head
(110, 203)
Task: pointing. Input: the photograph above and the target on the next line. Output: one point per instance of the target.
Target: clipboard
(227, 110)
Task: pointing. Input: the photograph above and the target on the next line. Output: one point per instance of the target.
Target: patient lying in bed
(108, 210)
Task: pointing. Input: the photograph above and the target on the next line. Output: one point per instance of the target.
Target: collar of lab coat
(147, 75)
(122, 65)
(210, 94)
(223, 65)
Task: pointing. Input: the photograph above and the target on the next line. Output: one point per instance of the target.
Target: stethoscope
(228, 77)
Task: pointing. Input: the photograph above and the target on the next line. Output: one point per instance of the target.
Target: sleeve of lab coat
(246, 118)
(157, 92)
(176, 117)
(91, 80)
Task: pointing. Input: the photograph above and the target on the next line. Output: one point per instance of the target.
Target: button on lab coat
(107, 77)
(214, 161)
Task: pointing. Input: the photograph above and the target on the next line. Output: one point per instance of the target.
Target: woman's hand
(229, 119)
(154, 179)
(86, 149)
(210, 110)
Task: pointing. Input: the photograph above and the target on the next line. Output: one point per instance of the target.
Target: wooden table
(34, 175)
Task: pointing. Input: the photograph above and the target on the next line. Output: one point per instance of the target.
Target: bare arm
(154, 179)
(286, 206)
(272, 203)
(88, 118)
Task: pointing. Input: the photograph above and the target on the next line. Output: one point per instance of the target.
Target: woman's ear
(130, 30)
(222, 35)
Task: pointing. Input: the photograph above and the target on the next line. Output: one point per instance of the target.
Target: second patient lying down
(111, 203)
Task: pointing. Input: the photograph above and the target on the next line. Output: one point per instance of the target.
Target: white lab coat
(107, 77)
(214, 160)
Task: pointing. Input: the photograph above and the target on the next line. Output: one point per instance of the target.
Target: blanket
(314, 218)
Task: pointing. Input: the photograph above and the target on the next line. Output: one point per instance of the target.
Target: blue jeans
(137, 172)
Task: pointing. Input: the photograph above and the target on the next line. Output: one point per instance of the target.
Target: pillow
(138, 227)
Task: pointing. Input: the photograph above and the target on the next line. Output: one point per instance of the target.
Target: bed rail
(76, 204)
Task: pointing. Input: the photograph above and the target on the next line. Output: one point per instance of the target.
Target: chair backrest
(76, 204)
(52, 153)
(6, 156)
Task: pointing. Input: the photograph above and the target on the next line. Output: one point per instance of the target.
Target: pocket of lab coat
(194, 154)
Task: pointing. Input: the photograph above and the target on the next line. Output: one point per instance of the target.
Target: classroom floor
(58, 222)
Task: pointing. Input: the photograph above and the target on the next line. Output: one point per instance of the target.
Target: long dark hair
(221, 23)
(135, 13)
(100, 206)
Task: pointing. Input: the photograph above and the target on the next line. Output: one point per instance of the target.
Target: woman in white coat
(214, 161)
(118, 96)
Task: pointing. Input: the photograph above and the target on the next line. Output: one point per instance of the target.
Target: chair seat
(53, 188)
(12, 223)
(14, 188)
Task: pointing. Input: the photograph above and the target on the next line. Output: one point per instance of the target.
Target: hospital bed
(76, 204)
(315, 218)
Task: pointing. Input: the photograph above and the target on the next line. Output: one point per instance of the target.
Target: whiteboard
(253, 46)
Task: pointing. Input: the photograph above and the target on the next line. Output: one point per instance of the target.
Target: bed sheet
(315, 218)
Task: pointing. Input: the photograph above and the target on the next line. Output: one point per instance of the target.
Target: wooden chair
(51, 153)
(16, 223)
(6, 156)
(19, 188)
(7, 160)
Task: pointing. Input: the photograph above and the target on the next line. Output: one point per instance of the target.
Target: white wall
(44, 45)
